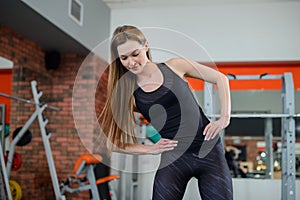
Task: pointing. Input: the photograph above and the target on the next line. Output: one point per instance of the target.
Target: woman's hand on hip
(213, 128)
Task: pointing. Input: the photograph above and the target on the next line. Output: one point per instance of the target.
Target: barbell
(29, 101)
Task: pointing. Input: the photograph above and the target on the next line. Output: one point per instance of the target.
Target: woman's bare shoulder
(179, 65)
(175, 62)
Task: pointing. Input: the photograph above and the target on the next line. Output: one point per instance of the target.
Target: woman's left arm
(187, 68)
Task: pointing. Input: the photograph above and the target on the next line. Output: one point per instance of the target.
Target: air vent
(76, 11)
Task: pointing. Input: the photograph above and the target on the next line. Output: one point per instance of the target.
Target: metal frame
(46, 137)
(128, 186)
(87, 169)
(4, 174)
(288, 139)
(27, 101)
(269, 148)
(59, 189)
(2, 130)
(38, 113)
(288, 125)
(2, 162)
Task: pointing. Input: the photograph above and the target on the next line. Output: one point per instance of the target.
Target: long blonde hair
(117, 118)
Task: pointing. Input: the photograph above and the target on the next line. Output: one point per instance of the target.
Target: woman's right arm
(161, 146)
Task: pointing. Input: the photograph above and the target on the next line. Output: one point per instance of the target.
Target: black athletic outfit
(174, 112)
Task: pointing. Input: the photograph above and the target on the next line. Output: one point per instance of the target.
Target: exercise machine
(131, 174)
(84, 165)
(288, 180)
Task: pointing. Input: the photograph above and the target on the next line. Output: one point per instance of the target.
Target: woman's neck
(148, 71)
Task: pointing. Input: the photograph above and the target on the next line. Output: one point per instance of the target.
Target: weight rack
(288, 179)
(37, 114)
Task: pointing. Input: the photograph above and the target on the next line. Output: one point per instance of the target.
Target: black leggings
(212, 172)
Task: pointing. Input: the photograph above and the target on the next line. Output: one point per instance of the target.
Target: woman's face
(133, 55)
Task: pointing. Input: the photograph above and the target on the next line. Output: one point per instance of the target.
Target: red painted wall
(5, 87)
(255, 68)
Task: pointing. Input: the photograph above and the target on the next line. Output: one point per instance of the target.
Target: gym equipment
(17, 161)
(2, 125)
(15, 190)
(288, 180)
(6, 130)
(29, 101)
(85, 165)
(25, 139)
(152, 134)
(129, 182)
(40, 107)
(5, 190)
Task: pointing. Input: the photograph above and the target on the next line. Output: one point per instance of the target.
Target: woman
(160, 92)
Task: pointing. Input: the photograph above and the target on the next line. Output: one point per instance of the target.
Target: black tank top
(173, 111)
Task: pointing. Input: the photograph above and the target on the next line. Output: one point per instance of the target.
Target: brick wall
(57, 86)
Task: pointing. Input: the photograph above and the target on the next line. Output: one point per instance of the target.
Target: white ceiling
(120, 4)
